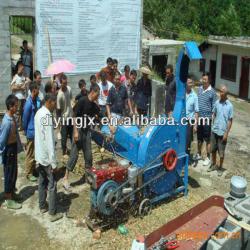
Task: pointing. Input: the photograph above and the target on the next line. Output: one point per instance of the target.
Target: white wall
(171, 51)
(233, 87)
(208, 54)
(216, 51)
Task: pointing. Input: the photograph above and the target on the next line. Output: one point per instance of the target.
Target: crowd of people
(111, 94)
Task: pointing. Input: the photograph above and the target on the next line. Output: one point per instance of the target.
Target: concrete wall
(9, 8)
(194, 67)
(170, 51)
(233, 87)
(19, 8)
(158, 98)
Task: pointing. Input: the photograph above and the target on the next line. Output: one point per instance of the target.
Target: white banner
(87, 32)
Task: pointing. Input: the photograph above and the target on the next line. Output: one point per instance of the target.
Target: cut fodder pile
(160, 215)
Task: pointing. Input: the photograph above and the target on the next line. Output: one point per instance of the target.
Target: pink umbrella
(59, 66)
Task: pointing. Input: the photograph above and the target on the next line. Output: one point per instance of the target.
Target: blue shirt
(29, 112)
(223, 112)
(206, 100)
(116, 99)
(192, 106)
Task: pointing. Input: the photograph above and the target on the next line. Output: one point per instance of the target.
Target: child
(10, 146)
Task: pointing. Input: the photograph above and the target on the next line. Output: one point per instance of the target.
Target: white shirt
(104, 92)
(44, 138)
(64, 102)
(208, 88)
(18, 80)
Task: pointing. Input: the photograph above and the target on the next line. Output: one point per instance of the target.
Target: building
(228, 61)
(157, 53)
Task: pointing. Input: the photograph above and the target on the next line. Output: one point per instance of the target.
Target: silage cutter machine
(154, 165)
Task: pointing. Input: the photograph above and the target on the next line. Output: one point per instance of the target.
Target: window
(202, 65)
(228, 67)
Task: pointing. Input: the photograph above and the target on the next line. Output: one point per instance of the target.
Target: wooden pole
(49, 50)
(49, 46)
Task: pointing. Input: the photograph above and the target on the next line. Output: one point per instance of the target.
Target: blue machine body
(143, 149)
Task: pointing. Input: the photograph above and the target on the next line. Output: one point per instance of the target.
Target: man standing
(38, 81)
(19, 86)
(30, 108)
(86, 109)
(108, 70)
(105, 87)
(45, 156)
(126, 75)
(143, 92)
(83, 90)
(27, 59)
(222, 123)
(65, 112)
(131, 88)
(192, 109)
(115, 67)
(206, 99)
(117, 98)
(10, 146)
(170, 90)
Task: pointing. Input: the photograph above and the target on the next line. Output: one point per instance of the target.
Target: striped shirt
(206, 100)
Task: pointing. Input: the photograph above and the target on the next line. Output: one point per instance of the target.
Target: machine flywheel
(106, 199)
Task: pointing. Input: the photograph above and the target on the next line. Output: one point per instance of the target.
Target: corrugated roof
(243, 42)
(192, 50)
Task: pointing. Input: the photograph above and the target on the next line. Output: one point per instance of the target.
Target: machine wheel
(144, 208)
(106, 199)
(170, 160)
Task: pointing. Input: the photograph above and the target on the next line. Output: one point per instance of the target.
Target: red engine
(112, 171)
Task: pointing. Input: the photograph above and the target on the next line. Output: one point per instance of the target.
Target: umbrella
(59, 66)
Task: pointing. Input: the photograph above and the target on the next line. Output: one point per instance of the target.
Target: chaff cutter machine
(155, 164)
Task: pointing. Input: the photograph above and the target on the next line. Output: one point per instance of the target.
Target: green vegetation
(196, 19)
(21, 25)
(156, 76)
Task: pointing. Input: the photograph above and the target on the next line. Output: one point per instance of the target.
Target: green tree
(188, 18)
(228, 23)
(243, 10)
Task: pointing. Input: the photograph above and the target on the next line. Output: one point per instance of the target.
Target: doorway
(159, 64)
(21, 29)
(212, 70)
(244, 79)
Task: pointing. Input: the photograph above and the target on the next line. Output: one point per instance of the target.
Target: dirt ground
(28, 229)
